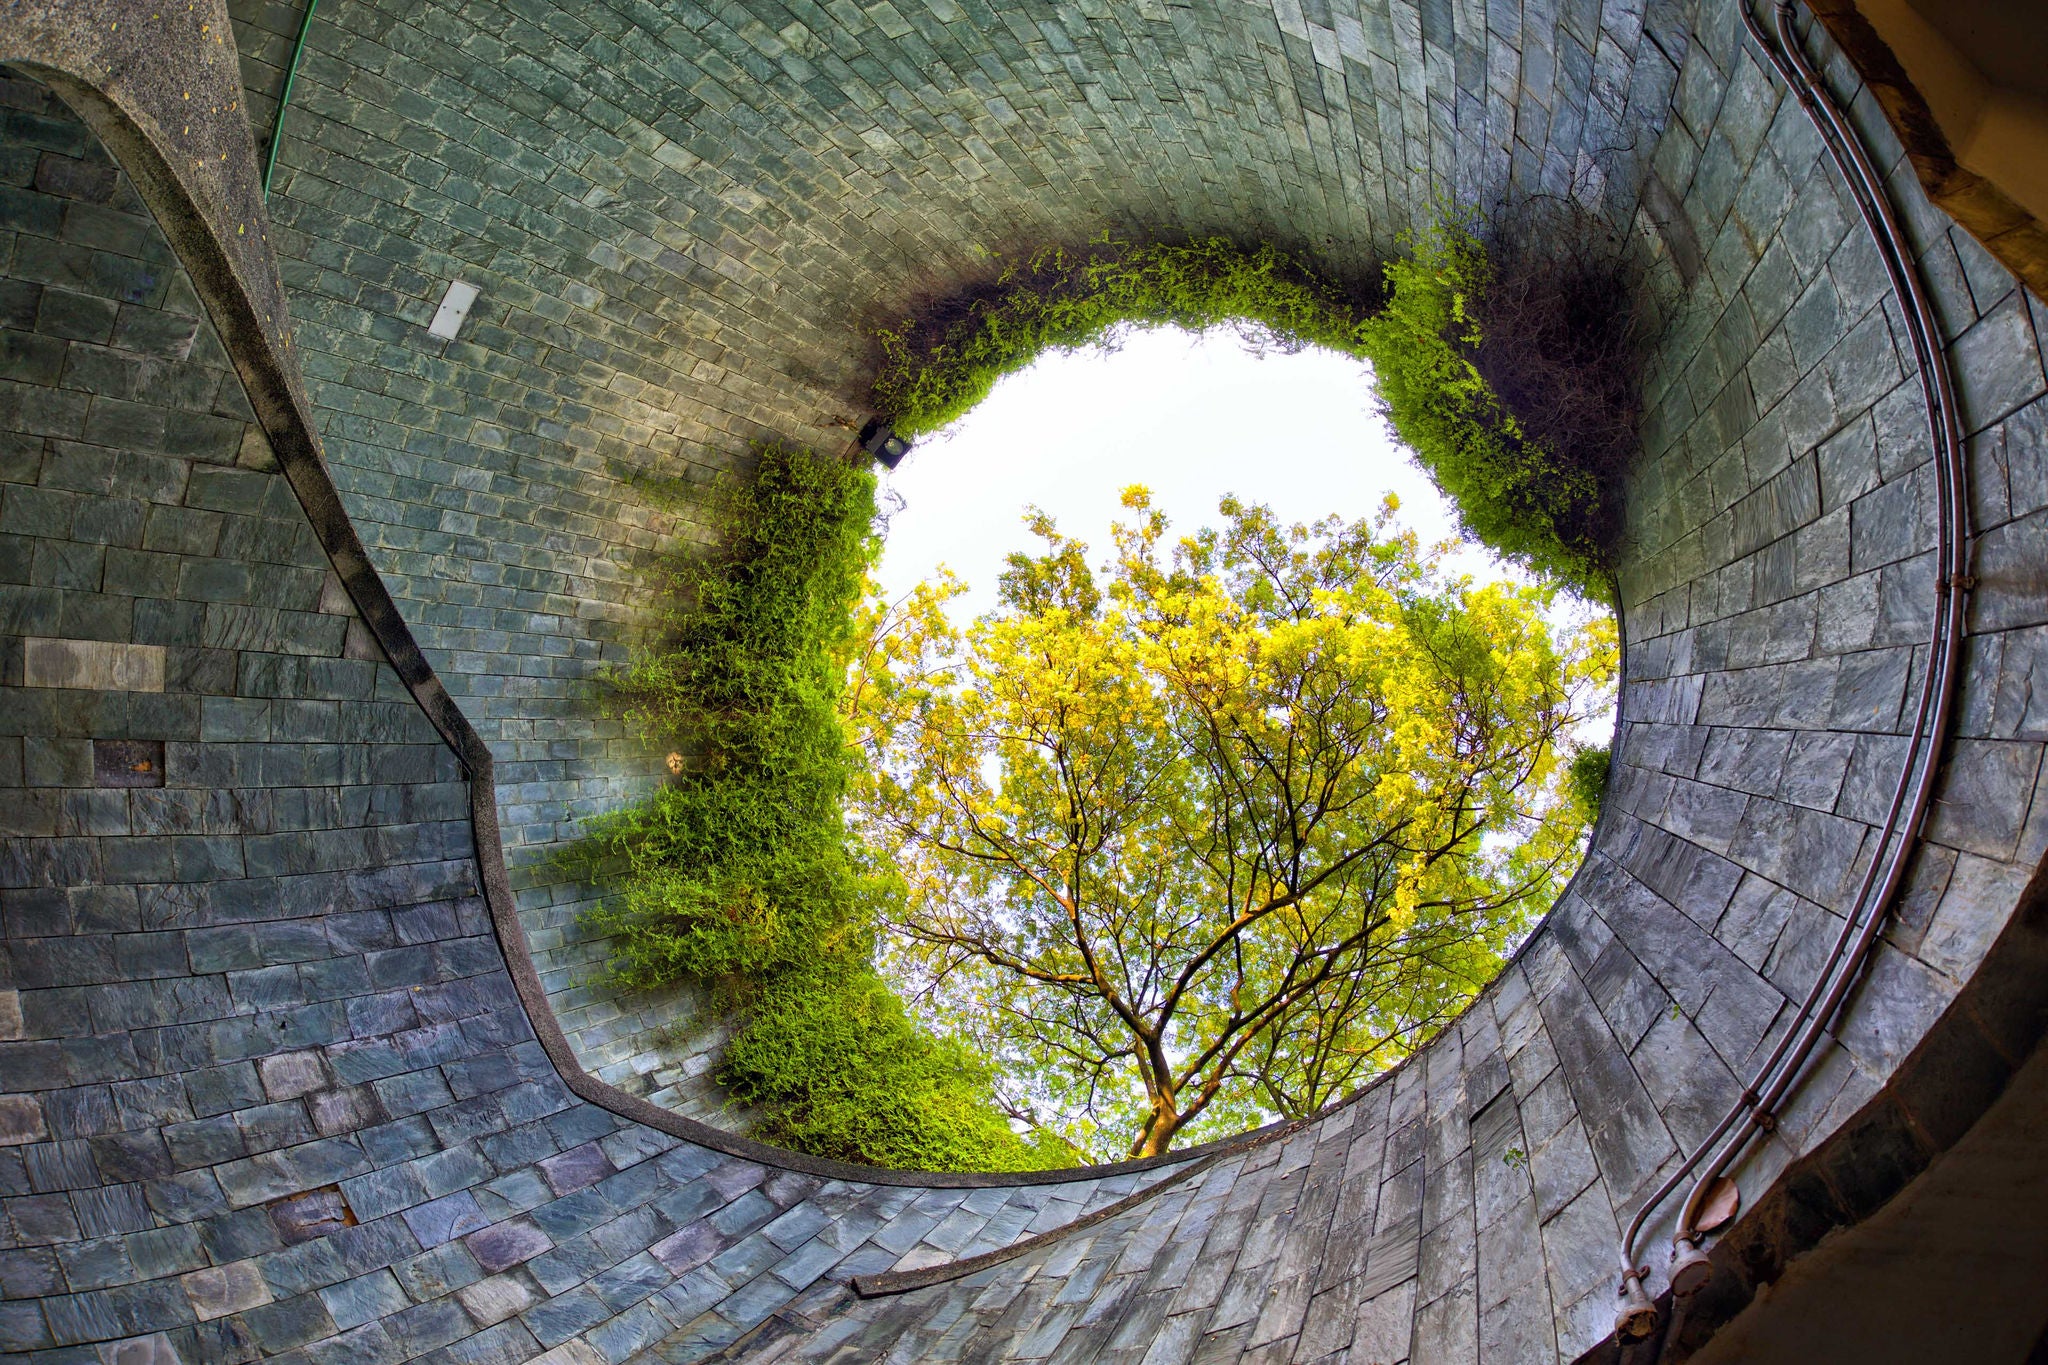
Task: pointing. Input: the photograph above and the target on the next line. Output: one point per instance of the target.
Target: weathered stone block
(576, 1168)
(289, 1075)
(71, 178)
(364, 1299)
(445, 1219)
(572, 1352)
(92, 665)
(254, 452)
(507, 1244)
(21, 1120)
(1998, 364)
(317, 1213)
(495, 1299)
(151, 1350)
(218, 1291)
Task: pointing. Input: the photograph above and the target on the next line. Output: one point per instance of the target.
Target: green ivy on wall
(739, 871)
(1536, 500)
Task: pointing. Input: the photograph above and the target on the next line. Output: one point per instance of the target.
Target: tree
(1222, 832)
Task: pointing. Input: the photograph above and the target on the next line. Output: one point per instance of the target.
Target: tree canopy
(1215, 833)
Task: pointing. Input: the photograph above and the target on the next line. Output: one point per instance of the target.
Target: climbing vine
(1488, 375)
(739, 870)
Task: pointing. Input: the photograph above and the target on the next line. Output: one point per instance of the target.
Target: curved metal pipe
(284, 98)
(1755, 1110)
(1951, 529)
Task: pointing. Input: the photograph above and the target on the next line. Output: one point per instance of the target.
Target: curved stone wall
(273, 1090)
(682, 228)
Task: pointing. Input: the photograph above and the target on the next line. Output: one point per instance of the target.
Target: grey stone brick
(218, 1291)
(155, 1349)
(576, 1168)
(364, 1299)
(21, 1120)
(495, 1299)
(1998, 364)
(507, 1244)
(442, 1220)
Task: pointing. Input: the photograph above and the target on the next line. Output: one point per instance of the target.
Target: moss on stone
(1537, 501)
(739, 870)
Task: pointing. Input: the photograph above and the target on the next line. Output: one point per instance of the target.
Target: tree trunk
(1160, 1126)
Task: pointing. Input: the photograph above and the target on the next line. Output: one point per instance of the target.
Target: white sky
(1191, 417)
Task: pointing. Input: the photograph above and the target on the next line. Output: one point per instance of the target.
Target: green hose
(284, 97)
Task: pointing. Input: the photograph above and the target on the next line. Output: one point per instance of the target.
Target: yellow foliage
(1218, 829)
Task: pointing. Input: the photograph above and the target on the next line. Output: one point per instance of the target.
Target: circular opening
(1192, 416)
(1101, 973)
(1165, 828)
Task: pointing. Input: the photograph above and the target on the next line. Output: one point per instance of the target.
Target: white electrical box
(454, 308)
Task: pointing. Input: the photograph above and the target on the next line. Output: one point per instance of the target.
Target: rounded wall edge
(1923, 1109)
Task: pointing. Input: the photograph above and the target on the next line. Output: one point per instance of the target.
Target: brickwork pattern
(269, 1092)
(683, 223)
(1776, 594)
(268, 1088)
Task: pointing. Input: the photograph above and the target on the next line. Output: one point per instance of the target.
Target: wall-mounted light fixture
(454, 308)
(880, 440)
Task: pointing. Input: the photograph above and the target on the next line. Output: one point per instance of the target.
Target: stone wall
(269, 1089)
(684, 226)
(275, 1090)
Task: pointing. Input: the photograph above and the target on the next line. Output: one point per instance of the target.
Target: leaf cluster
(939, 365)
(739, 871)
(1588, 777)
(844, 1072)
(1484, 417)
(1217, 833)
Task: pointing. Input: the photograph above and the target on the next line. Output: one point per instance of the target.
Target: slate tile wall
(1782, 534)
(685, 224)
(269, 1092)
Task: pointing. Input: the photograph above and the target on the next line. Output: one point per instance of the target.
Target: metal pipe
(284, 98)
(1911, 795)
(1847, 151)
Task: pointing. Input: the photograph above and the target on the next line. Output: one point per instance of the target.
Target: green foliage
(1541, 502)
(740, 870)
(935, 369)
(1588, 777)
(845, 1073)
(1223, 831)
(739, 866)
(1526, 498)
